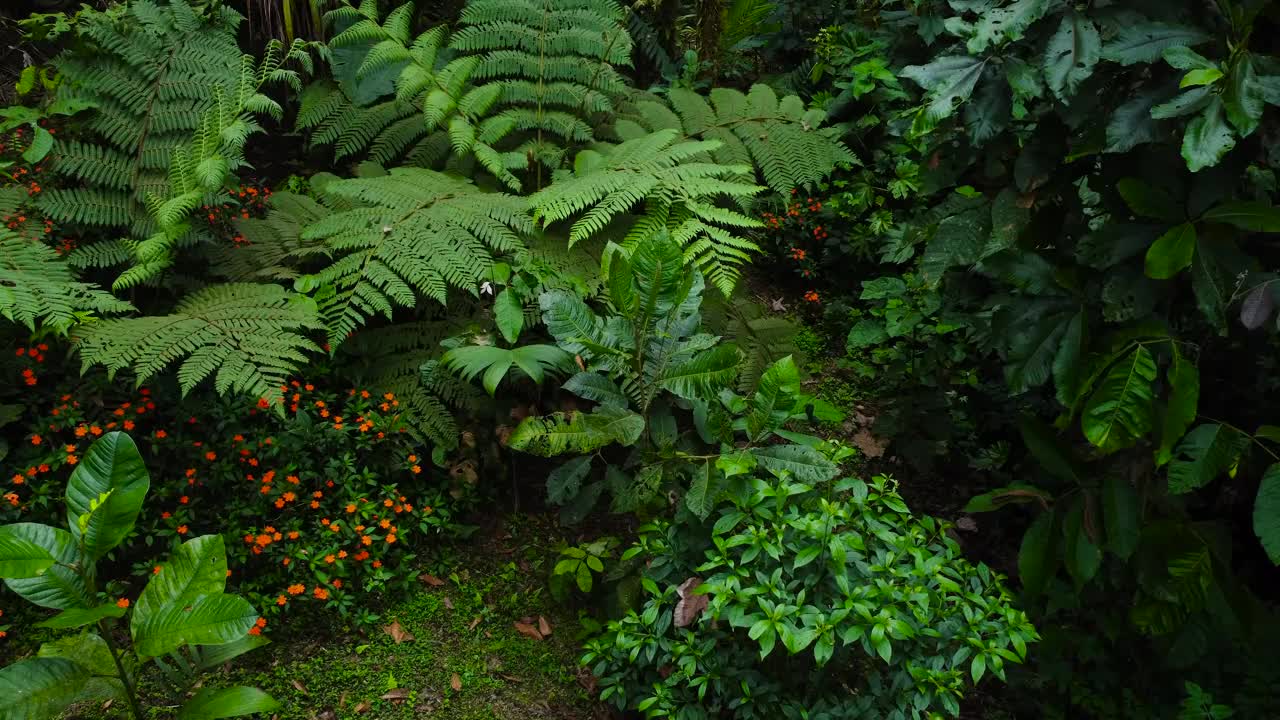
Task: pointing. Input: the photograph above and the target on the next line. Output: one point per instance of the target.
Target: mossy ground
(498, 579)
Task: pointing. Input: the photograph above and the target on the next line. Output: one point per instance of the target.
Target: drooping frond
(674, 188)
(401, 359)
(37, 287)
(410, 233)
(786, 144)
(249, 337)
(271, 248)
(577, 432)
(384, 132)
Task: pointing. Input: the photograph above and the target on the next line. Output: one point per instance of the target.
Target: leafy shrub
(823, 600)
(182, 607)
(330, 497)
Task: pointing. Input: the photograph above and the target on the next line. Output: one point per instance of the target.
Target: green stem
(129, 690)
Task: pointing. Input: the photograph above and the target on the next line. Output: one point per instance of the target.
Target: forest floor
(451, 651)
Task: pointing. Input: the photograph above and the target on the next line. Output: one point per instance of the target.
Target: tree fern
(411, 233)
(149, 71)
(37, 288)
(674, 188)
(783, 141)
(249, 337)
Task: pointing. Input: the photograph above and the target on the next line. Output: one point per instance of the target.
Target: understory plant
(183, 619)
(816, 600)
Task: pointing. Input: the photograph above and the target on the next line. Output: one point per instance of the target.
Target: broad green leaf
(978, 667)
(564, 482)
(1068, 363)
(1149, 201)
(1266, 513)
(1081, 555)
(577, 432)
(1244, 98)
(40, 688)
(950, 81)
(59, 587)
(774, 399)
(1120, 410)
(1172, 252)
(211, 704)
(803, 463)
(597, 388)
(1208, 137)
(1038, 555)
(21, 558)
(508, 313)
(999, 25)
(198, 567)
(1120, 515)
(211, 656)
(865, 333)
(1246, 215)
(41, 144)
(988, 113)
(1200, 76)
(701, 495)
(536, 360)
(704, 375)
(1184, 399)
(883, 288)
(1049, 450)
(1185, 103)
(1071, 54)
(1184, 58)
(90, 651)
(1131, 124)
(111, 467)
(1205, 453)
(79, 617)
(1144, 42)
(204, 620)
(1216, 264)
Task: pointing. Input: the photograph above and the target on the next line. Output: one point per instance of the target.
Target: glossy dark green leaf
(1205, 453)
(1038, 554)
(1266, 513)
(1172, 252)
(212, 703)
(105, 493)
(1119, 411)
(1148, 201)
(1246, 215)
(1120, 515)
(1071, 54)
(1144, 42)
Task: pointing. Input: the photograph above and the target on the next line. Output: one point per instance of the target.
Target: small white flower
(486, 288)
(387, 228)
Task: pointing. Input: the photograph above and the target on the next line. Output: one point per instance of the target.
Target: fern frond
(410, 233)
(249, 337)
(786, 144)
(38, 288)
(578, 433)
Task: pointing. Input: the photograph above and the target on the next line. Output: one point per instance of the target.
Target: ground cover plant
(583, 358)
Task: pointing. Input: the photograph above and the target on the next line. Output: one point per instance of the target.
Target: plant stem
(129, 690)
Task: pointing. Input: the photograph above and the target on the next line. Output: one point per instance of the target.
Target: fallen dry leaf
(398, 694)
(474, 623)
(448, 602)
(870, 445)
(967, 523)
(544, 627)
(510, 678)
(455, 682)
(690, 605)
(431, 580)
(363, 707)
(329, 714)
(342, 701)
(299, 687)
(528, 630)
(398, 633)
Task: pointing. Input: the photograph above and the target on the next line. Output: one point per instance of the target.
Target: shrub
(807, 601)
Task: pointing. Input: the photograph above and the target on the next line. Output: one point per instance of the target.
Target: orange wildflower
(122, 603)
